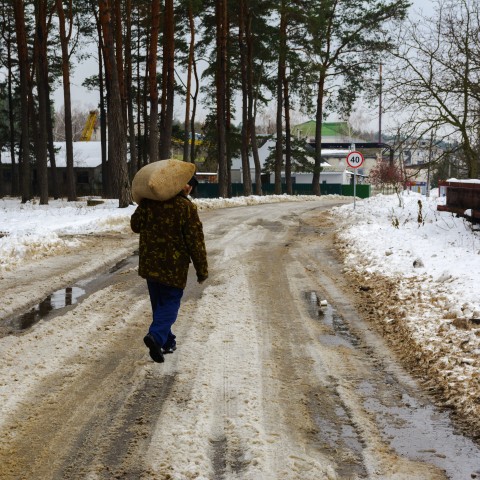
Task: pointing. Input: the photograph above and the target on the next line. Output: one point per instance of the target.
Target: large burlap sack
(161, 180)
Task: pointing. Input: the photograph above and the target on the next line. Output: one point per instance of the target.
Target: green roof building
(332, 132)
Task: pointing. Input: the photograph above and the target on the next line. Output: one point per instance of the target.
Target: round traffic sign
(355, 159)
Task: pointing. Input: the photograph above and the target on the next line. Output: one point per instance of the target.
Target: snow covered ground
(430, 259)
(31, 230)
(421, 269)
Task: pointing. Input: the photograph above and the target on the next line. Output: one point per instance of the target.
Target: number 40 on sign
(355, 159)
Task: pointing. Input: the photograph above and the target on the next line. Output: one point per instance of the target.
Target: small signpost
(355, 160)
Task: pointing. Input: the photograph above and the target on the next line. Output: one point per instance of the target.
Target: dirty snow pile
(421, 269)
(416, 240)
(30, 231)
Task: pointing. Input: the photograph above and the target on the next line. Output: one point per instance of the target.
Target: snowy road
(268, 382)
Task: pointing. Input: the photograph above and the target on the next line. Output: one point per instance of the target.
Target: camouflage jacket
(171, 234)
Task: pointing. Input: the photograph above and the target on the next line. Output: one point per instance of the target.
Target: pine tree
(24, 159)
(343, 39)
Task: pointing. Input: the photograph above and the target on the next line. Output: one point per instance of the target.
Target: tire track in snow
(238, 400)
(67, 427)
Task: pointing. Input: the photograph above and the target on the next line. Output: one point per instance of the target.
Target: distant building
(334, 166)
(87, 161)
(332, 132)
(416, 157)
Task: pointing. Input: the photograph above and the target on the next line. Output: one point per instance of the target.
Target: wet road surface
(276, 375)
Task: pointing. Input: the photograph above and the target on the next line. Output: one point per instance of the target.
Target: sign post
(355, 160)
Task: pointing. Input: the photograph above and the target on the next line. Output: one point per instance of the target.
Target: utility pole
(430, 155)
(380, 108)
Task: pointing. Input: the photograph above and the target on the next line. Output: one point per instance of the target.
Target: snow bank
(30, 230)
(421, 269)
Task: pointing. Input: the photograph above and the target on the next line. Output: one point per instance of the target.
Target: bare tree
(435, 79)
(79, 118)
(388, 175)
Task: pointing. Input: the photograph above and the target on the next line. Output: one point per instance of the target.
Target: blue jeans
(165, 305)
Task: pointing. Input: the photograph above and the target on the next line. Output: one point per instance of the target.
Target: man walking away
(171, 235)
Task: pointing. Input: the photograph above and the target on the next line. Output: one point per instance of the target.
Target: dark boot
(169, 348)
(155, 350)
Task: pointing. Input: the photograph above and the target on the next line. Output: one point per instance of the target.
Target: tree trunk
(246, 176)
(140, 136)
(117, 155)
(191, 57)
(251, 103)
(64, 40)
(256, 156)
(168, 80)
(32, 115)
(288, 147)
(129, 79)
(119, 56)
(221, 80)
(11, 117)
(280, 79)
(42, 85)
(54, 188)
(24, 99)
(228, 131)
(194, 111)
(147, 132)
(471, 157)
(106, 181)
(152, 82)
(318, 136)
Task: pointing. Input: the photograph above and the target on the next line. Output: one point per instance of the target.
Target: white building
(330, 174)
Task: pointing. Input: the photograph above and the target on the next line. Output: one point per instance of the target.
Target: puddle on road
(423, 432)
(323, 311)
(412, 426)
(338, 437)
(56, 302)
(121, 264)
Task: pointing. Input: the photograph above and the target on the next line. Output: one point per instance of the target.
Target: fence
(210, 190)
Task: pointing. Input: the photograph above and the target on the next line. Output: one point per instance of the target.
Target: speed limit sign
(355, 159)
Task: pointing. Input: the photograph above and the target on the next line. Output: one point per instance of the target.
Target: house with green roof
(332, 132)
(335, 133)
(334, 166)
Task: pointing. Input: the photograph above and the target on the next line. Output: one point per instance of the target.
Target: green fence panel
(207, 190)
(210, 190)
(363, 191)
(331, 189)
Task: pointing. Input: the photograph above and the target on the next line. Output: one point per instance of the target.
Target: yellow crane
(89, 126)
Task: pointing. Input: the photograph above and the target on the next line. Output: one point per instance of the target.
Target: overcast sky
(425, 5)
